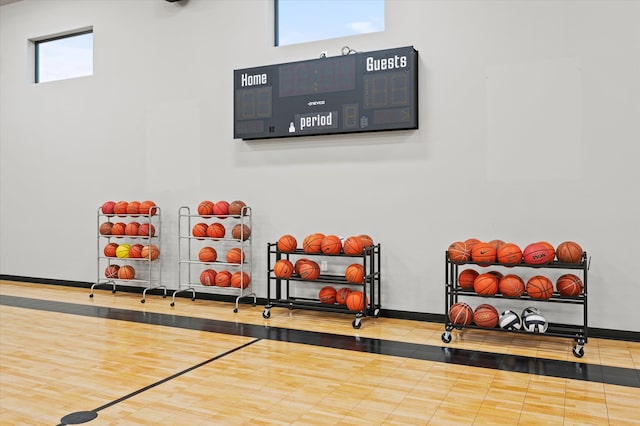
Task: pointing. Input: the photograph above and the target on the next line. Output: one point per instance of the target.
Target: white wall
(528, 131)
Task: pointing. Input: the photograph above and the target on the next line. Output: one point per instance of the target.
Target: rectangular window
(64, 56)
(299, 21)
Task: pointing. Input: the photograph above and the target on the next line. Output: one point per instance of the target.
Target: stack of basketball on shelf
(216, 231)
(309, 270)
(492, 282)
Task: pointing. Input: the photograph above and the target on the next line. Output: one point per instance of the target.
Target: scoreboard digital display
(360, 92)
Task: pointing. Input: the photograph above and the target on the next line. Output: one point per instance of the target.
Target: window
(300, 21)
(64, 56)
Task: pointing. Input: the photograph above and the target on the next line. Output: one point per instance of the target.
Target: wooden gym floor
(66, 358)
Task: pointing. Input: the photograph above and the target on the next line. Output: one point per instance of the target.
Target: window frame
(37, 42)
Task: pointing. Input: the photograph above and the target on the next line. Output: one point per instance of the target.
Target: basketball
(107, 207)
(353, 246)
(496, 243)
(539, 253)
(135, 251)
(118, 228)
(355, 301)
(207, 254)
(126, 272)
(283, 269)
(341, 295)
(569, 252)
(287, 243)
(511, 285)
(313, 243)
(121, 208)
(354, 273)
(110, 249)
(460, 313)
(458, 252)
(147, 208)
(496, 274)
(486, 316)
(539, 287)
(486, 284)
(223, 279)
(569, 285)
(123, 251)
(327, 294)
(331, 244)
(470, 243)
(199, 230)
(509, 254)
(466, 279)
(105, 228)
(309, 270)
(111, 271)
(205, 208)
(208, 277)
(510, 320)
(150, 252)
(235, 255)
(132, 228)
(367, 241)
(133, 208)
(535, 323)
(241, 232)
(237, 208)
(221, 209)
(146, 230)
(216, 230)
(483, 253)
(240, 279)
(299, 263)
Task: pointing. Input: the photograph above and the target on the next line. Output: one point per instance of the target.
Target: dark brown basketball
(486, 316)
(569, 252)
(460, 313)
(569, 285)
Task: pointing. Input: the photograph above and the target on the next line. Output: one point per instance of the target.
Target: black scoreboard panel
(361, 92)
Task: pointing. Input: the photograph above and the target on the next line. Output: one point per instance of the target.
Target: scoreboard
(360, 92)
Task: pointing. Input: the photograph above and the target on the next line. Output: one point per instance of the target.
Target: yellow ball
(123, 250)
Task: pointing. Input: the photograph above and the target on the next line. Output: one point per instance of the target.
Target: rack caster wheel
(356, 324)
(253, 304)
(235, 310)
(578, 351)
(446, 337)
(113, 291)
(173, 304)
(142, 301)
(91, 296)
(376, 313)
(193, 299)
(266, 315)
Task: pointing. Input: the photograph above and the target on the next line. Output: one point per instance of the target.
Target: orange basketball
(483, 253)
(496, 243)
(110, 249)
(205, 208)
(355, 301)
(223, 279)
(107, 207)
(466, 279)
(150, 252)
(221, 209)
(331, 244)
(353, 245)
(287, 243)
(327, 294)
(460, 313)
(216, 230)
(569, 285)
(309, 270)
(135, 251)
(118, 228)
(133, 208)
(509, 254)
(199, 230)
(240, 279)
(367, 241)
(235, 255)
(207, 254)
(471, 242)
(496, 274)
(540, 253)
(105, 228)
(147, 208)
(126, 272)
(208, 277)
(299, 263)
(539, 287)
(283, 269)
(486, 316)
(237, 208)
(146, 230)
(313, 243)
(121, 208)
(342, 294)
(511, 285)
(132, 228)
(354, 273)
(569, 252)
(486, 284)
(458, 252)
(111, 271)
(241, 232)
